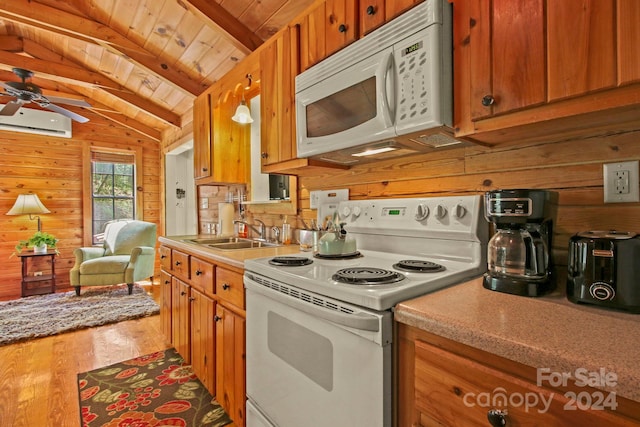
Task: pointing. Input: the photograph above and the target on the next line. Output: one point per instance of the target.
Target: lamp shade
(27, 204)
(243, 115)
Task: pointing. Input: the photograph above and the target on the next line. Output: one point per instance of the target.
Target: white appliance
(319, 329)
(387, 94)
(28, 120)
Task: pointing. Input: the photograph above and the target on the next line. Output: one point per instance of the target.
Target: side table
(38, 273)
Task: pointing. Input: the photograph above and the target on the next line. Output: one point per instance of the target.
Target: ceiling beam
(11, 43)
(77, 27)
(147, 106)
(237, 33)
(129, 123)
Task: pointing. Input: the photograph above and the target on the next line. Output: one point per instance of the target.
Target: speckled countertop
(547, 332)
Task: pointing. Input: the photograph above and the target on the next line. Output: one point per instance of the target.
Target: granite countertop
(546, 332)
(234, 257)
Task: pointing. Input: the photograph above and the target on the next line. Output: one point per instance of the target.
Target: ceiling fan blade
(11, 107)
(68, 101)
(73, 116)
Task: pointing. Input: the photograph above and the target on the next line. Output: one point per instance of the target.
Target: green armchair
(126, 256)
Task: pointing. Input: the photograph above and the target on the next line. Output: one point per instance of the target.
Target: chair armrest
(141, 263)
(85, 254)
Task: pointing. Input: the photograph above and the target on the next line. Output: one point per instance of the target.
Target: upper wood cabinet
(202, 136)
(341, 23)
(519, 63)
(278, 67)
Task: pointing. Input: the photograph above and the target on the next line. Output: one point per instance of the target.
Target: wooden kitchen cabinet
(180, 264)
(374, 13)
(230, 363)
(181, 318)
(203, 276)
(203, 343)
(277, 97)
(165, 258)
(444, 383)
(575, 69)
(312, 39)
(202, 136)
(165, 305)
(230, 287)
(341, 24)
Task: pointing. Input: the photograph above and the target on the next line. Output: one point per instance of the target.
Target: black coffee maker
(518, 253)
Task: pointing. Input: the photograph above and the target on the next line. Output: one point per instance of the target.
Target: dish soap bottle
(286, 232)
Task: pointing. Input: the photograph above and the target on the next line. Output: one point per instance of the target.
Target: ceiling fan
(25, 93)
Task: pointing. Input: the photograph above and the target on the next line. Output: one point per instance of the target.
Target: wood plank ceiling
(139, 63)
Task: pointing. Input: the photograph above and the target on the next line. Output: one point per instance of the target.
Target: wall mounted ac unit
(39, 122)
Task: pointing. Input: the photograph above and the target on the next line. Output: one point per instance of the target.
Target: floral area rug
(156, 390)
(43, 315)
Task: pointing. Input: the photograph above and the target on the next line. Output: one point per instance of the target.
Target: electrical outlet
(314, 197)
(621, 182)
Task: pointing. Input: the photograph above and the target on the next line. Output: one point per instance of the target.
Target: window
(113, 195)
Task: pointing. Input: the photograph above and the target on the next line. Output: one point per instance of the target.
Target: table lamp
(29, 204)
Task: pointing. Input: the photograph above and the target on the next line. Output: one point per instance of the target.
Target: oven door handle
(361, 321)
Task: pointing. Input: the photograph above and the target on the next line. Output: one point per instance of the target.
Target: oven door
(349, 108)
(308, 365)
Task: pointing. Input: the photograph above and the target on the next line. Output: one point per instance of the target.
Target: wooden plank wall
(572, 168)
(52, 168)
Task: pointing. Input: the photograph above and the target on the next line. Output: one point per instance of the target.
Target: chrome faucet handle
(262, 229)
(276, 231)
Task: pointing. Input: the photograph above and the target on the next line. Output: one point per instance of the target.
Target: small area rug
(155, 390)
(43, 315)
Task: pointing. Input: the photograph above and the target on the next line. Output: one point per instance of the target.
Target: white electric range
(317, 326)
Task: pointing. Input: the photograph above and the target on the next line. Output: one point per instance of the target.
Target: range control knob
(357, 211)
(602, 291)
(422, 212)
(346, 211)
(441, 212)
(459, 211)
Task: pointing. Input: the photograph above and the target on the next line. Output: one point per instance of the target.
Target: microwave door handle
(389, 82)
(361, 321)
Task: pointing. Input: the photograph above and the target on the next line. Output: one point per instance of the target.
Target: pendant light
(243, 115)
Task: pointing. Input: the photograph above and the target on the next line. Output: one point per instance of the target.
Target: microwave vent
(436, 140)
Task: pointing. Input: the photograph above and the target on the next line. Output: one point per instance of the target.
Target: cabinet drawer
(180, 264)
(202, 276)
(165, 258)
(229, 287)
(453, 391)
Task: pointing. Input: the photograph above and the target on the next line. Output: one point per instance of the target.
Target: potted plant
(40, 241)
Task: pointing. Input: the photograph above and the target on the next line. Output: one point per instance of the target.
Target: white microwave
(387, 94)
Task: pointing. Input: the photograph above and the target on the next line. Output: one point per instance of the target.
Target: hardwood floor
(38, 378)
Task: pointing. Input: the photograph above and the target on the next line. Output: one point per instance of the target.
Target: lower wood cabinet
(444, 383)
(202, 315)
(230, 363)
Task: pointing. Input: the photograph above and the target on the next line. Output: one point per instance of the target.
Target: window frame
(87, 199)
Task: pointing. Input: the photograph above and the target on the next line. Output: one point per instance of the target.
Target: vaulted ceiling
(138, 63)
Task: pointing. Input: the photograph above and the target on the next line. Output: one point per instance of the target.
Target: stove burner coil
(367, 276)
(338, 256)
(290, 261)
(418, 266)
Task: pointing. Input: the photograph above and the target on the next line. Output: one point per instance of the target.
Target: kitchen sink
(231, 243)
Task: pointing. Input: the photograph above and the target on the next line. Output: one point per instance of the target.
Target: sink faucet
(260, 231)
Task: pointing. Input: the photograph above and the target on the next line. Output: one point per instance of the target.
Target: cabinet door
(371, 15)
(202, 136)
(180, 326)
(312, 36)
(507, 64)
(230, 364)
(231, 145)
(203, 345)
(180, 264)
(277, 97)
(581, 46)
(341, 24)
(165, 309)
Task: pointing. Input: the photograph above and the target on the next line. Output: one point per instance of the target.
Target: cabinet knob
(178, 263)
(198, 272)
(264, 154)
(342, 28)
(163, 256)
(225, 286)
(205, 169)
(183, 293)
(371, 10)
(497, 418)
(488, 100)
(166, 282)
(192, 299)
(217, 318)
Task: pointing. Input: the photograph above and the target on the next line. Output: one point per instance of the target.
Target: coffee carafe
(518, 253)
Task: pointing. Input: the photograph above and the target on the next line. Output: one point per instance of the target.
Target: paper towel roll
(225, 219)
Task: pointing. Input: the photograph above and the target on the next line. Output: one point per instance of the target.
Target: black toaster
(604, 269)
